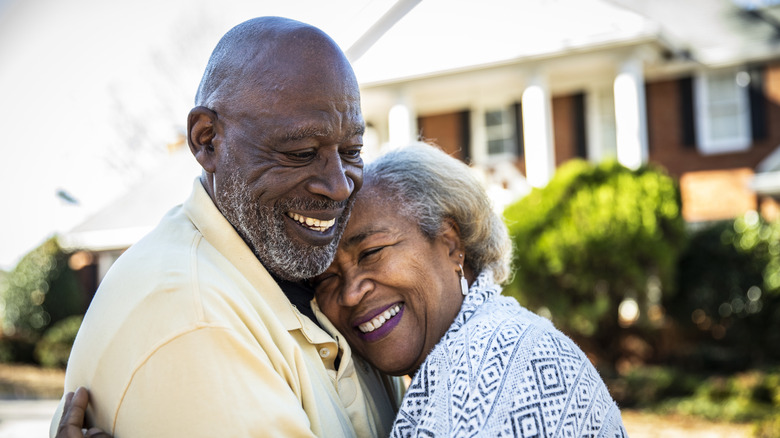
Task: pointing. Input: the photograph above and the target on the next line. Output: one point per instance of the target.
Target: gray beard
(262, 228)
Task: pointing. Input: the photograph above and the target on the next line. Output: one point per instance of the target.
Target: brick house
(692, 85)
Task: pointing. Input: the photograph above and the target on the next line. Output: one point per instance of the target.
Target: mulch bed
(18, 381)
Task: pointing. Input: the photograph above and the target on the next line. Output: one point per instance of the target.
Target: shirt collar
(218, 232)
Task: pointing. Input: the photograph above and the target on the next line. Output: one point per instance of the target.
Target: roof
(716, 32)
(448, 35)
(134, 213)
(440, 36)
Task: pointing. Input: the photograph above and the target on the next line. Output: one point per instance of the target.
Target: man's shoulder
(158, 260)
(174, 255)
(170, 275)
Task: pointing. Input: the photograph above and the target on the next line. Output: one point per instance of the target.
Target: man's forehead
(302, 132)
(275, 110)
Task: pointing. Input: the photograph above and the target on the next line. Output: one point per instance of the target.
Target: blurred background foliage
(34, 296)
(53, 349)
(729, 311)
(678, 317)
(595, 238)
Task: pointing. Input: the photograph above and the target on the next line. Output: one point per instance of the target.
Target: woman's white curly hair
(431, 186)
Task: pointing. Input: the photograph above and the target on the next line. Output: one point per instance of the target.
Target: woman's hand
(72, 421)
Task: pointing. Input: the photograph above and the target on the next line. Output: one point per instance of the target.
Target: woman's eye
(318, 283)
(370, 252)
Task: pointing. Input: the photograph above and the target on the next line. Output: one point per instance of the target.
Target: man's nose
(331, 179)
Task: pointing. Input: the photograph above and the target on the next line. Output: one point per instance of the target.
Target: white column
(631, 114)
(537, 133)
(402, 125)
(594, 122)
(479, 155)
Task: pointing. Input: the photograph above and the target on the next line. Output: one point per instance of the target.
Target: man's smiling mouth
(312, 223)
(379, 320)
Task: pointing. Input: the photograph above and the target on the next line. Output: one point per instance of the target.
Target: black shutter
(687, 112)
(519, 142)
(465, 135)
(758, 101)
(579, 129)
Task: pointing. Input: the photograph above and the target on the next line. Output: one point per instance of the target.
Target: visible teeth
(310, 222)
(379, 320)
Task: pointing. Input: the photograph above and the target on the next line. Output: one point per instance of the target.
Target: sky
(94, 90)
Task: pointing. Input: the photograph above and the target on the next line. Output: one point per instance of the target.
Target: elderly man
(202, 327)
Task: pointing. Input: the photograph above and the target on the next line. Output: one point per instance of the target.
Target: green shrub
(729, 295)
(751, 396)
(748, 396)
(647, 386)
(53, 350)
(768, 427)
(41, 290)
(592, 237)
(16, 349)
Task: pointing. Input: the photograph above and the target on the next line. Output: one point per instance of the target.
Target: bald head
(278, 129)
(264, 54)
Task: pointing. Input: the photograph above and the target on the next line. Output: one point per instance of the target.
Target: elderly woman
(415, 289)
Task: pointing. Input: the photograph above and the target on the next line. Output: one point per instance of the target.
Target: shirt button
(324, 352)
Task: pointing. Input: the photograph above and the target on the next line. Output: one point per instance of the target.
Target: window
(500, 132)
(722, 112)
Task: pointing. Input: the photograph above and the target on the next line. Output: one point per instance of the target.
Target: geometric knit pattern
(503, 371)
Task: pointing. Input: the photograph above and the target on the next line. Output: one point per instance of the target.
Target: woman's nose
(355, 288)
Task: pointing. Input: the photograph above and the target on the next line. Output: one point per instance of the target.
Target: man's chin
(295, 262)
(291, 251)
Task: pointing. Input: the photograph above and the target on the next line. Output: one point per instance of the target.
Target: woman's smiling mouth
(381, 325)
(379, 320)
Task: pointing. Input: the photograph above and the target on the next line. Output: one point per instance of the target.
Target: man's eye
(351, 154)
(302, 156)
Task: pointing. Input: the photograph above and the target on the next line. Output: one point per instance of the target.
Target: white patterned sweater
(500, 371)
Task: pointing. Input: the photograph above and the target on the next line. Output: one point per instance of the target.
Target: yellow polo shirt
(189, 336)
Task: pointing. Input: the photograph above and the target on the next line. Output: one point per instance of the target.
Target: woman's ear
(450, 235)
(201, 131)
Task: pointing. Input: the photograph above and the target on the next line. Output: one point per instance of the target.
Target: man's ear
(201, 131)
(450, 235)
